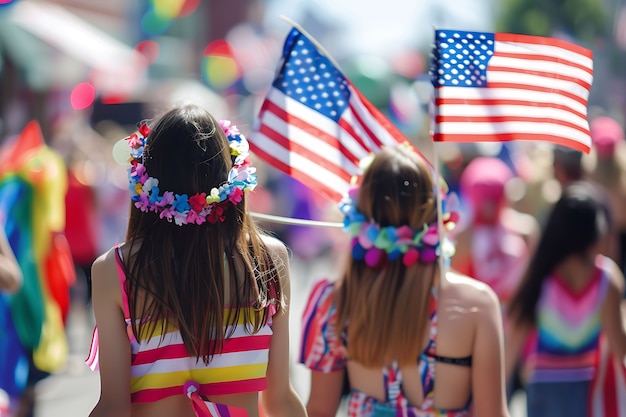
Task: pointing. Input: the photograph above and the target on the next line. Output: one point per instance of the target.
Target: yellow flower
(213, 197)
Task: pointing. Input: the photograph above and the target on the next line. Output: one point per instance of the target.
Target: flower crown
(378, 245)
(201, 206)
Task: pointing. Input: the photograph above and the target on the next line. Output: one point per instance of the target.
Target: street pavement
(74, 391)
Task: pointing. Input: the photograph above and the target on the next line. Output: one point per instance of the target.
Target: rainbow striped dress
(563, 346)
(161, 366)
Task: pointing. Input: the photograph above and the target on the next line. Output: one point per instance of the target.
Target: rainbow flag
(33, 183)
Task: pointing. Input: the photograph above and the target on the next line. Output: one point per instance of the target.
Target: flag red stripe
(564, 93)
(550, 75)
(345, 125)
(365, 127)
(306, 179)
(511, 118)
(307, 153)
(503, 102)
(393, 131)
(540, 57)
(505, 137)
(295, 121)
(537, 40)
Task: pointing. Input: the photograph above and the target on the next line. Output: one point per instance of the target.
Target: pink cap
(484, 179)
(605, 134)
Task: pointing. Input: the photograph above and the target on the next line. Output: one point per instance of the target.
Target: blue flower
(180, 203)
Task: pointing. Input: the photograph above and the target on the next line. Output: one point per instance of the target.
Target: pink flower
(228, 128)
(144, 203)
(166, 200)
(167, 214)
(235, 196)
(134, 141)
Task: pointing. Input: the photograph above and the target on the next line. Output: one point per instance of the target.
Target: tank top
(563, 346)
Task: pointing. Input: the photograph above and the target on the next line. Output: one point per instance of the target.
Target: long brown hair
(386, 310)
(183, 270)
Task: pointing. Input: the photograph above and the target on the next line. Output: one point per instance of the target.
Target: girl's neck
(577, 270)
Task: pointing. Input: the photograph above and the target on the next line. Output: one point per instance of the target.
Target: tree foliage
(582, 19)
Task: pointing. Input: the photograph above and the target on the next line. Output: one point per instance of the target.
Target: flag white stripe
(511, 111)
(495, 76)
(379, 131)
(549, 50)
(541, 65)
(317, 120)
(302, 164)
(325, 151)
(480, 128)
(470, 94)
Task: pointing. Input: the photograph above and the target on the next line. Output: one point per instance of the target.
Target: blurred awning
(115, 68)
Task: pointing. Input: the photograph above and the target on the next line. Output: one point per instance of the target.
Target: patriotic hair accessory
(377, 245)
(200, 207)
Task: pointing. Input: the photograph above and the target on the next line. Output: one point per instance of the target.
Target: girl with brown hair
(191, 311)
(394, 320)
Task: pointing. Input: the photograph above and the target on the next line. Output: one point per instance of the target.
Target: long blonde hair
(386, 311)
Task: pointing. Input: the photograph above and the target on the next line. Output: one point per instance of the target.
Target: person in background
(413, 340)
(570, 295)
(495, 245)
(192, 310)
(608, 169)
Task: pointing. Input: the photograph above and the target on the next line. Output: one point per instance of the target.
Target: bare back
(468, 325)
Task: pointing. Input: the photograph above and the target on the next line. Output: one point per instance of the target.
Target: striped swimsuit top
(161, 366)
(564, 343)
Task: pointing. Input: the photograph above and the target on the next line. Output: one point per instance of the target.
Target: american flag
(501, 87)
(314, 124)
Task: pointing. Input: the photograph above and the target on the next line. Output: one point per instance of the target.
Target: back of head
(567, 164)
(397, 189)
(189, 232)
(396, 199)
(188, 153)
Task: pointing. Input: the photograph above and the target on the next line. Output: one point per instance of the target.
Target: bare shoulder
(275, 247)
(279, 255)
(469, 293)
(104, 271)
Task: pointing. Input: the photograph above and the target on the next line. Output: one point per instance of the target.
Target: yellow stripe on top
(163, 327)
(207, 376)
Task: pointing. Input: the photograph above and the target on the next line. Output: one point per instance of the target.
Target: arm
(279, 398)
(325, 393)
(515, 337)
(488, 359)
(114, 346)
(612, 318)
(10, 272)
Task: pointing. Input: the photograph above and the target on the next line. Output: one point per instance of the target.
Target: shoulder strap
(122, 277)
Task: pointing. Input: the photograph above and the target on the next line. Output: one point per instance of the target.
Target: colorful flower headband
(200, 207)
(377, 245)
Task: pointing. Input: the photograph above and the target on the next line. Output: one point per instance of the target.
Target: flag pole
(438, 186)
(313, 41)
(293, 221)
